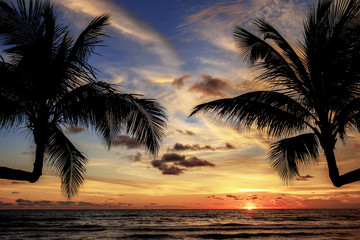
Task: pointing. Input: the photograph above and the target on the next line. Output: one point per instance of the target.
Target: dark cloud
(15, 192)
(28, 153)
(61, 204)
(135, 158)
(253, 197)
(195, 162)
(304, 178)
(74, 130)
(127, 141)
(229, 146)
(125, 204)
(24, 202)
(233, 196)
(214, 197)
(279, 200)
(210, 86)
(172, 157)
(194, 147)
(197, 147)
(65, 203)
(166, 169)
(172, 170)
(43, 203)
(86, 204)
(179, 82)
(175, 164)
(15, 182)
(3, 204)
(20, 200)
(186, 132)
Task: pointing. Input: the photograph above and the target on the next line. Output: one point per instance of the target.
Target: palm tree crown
(47, 84)
(315, 89)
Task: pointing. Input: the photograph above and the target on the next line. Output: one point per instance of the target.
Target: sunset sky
(182, 53)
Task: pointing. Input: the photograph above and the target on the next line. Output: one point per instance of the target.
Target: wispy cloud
(128, 26)
(215, 24)
(186, 132)
(135, 158)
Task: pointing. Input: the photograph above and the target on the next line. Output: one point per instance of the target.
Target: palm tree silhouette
(315, 90)
(47, 84)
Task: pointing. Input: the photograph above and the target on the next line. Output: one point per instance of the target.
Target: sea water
(180, 224)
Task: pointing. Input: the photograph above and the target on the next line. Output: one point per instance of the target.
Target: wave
(43, 228)
(37, 219)
(253, 235)
(238, 226)
(149, 236)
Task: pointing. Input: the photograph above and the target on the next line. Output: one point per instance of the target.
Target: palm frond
(12, 113)
(110, 112)
(331, 46)
(348, 118)
(21, 16)
(286, 155)
(279, 114)
(276, 70)
(69, 162)
(85, 44)
(147, 123)
(269, 32)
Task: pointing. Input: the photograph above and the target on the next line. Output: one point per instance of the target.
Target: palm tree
(314, 96)
(47, 84)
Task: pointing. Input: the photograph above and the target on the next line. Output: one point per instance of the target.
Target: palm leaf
(85, 44)
(348, 118)
(286, 155)
(295, 62)
(277, 113)
(147, 123)
(21, 16)
(63, 156)
(331, 47)
(276, 70)
(100, 106)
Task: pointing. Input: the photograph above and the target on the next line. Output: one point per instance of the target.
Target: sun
(249, 208)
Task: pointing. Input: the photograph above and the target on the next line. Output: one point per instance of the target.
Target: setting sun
(250, 208)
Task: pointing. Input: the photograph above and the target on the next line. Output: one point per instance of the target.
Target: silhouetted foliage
(315, 89)
(47, 84)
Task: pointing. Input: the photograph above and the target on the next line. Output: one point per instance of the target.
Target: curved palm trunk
(40, 137)
(20, 175)
(337, 179)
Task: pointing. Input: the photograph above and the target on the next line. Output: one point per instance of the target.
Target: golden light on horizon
(249, 208)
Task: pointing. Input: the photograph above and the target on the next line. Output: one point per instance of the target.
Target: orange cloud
(210, 86)
(179, 82)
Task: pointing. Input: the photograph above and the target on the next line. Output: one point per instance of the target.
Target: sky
(182, 53)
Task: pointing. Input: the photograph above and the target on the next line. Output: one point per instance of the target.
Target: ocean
(180, 224)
